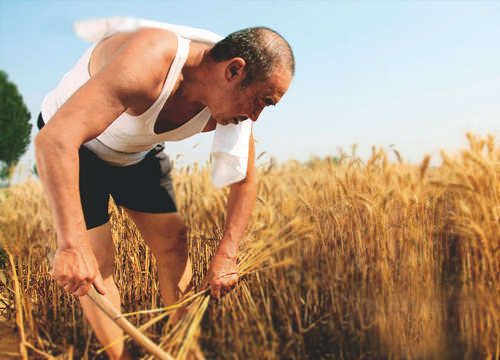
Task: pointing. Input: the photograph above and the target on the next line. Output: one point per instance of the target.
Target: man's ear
(235, 69)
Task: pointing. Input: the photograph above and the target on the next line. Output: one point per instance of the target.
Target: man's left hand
(222, 275)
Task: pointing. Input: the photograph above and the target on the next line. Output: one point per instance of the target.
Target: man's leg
(105, 329)
(165, 234)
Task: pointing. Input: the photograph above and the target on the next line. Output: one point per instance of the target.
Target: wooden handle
(105, 305)
(122, 322)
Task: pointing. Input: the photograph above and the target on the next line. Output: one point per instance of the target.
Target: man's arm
(121, 83)
(223, 272)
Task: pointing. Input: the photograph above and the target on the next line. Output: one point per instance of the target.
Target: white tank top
(128, 138)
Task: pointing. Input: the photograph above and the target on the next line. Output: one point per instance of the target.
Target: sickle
(105, 305)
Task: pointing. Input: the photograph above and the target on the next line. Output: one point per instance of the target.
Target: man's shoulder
(156, 42)
(136, 65)
(150, 48)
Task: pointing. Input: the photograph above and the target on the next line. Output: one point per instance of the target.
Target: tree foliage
(15, 126)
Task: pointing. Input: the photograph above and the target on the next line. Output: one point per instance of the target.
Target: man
(139, 87)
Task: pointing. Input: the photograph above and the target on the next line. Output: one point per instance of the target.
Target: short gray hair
(263, 50)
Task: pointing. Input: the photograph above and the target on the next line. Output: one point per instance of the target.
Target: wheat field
(341, 260)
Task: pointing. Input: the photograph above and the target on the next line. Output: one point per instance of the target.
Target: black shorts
(146, 186)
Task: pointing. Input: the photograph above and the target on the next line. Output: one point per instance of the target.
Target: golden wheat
(349, 260)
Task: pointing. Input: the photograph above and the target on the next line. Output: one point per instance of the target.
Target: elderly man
(125, 95)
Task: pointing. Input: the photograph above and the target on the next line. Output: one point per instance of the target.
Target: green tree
(15, 128)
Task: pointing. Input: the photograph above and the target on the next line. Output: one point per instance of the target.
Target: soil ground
(9, 340)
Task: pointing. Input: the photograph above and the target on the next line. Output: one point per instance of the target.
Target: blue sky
(417, 74)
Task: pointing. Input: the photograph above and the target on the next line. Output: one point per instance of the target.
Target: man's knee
(106, 267)
(172, 239)
(101, 241)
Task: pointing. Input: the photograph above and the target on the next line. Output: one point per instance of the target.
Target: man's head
(262, 49)
(258, 66)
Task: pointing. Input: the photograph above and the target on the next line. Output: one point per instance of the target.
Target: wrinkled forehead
(278, 84)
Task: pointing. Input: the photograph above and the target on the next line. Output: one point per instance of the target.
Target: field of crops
(341, 260)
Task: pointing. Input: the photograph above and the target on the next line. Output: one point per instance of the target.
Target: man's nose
(256, 114)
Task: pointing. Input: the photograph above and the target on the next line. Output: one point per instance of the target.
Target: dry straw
(354, 259)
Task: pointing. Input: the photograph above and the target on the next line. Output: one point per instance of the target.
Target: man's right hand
(76, 269)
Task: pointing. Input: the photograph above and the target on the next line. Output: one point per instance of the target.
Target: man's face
(248, 102)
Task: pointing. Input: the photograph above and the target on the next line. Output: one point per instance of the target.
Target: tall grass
(340, 261)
